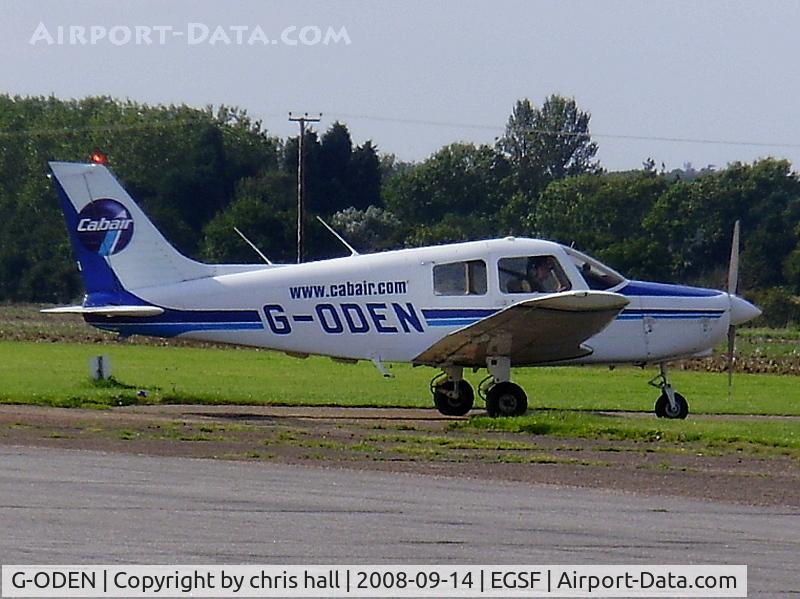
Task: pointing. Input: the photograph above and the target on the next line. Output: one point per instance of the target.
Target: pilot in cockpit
(541, 277)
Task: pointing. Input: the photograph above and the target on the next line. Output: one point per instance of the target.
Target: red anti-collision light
(99, 158)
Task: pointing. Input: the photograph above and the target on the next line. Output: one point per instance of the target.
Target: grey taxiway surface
(73, 507)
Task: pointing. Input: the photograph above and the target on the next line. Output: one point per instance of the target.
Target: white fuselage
(385, 306)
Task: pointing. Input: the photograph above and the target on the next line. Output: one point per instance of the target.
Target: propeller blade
(733, 286)
(733, 267)
(731, 348)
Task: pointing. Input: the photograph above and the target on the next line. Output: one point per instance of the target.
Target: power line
(451, 124)
(409, 121)
(96, 128)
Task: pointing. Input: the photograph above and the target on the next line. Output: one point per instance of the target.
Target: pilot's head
(541, 264)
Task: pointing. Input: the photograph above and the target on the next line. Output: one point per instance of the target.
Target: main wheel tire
(665, 410)
(452, 406)
(506, 399)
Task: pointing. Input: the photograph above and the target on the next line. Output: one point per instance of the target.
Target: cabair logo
(105, 227)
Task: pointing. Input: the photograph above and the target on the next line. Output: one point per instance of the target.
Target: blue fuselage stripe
(451, 322)
(176, 322)
(459, 317)
(458, 313)
(646, 288)
(456, 317)
(171, 329)
(197, 325)
(460, 322)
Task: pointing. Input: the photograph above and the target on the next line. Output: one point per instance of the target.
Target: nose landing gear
(670, 403)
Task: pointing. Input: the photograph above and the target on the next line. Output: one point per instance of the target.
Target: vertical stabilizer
(117, 246)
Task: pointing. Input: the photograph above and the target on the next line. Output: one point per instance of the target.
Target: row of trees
(199, 173)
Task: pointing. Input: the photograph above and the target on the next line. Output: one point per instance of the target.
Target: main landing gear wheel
(665, 410)
(450, 403)
(506, 399)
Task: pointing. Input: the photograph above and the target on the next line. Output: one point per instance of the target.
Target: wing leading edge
(545, 329)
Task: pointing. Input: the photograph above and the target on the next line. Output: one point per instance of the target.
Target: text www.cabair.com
(349, 289)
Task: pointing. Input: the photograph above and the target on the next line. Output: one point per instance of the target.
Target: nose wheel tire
(444, 397)
(506, 399)
(665, 410)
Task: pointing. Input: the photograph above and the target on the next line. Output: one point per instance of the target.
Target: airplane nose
(742, 310)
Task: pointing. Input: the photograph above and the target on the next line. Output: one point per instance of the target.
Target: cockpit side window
(597, 276)
(460, 278)
(532, 274)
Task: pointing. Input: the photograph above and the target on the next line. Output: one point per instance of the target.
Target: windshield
(597, 275)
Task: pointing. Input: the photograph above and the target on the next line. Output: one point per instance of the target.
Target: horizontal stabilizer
(135, 311)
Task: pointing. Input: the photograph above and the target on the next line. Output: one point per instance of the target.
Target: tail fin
(118, 248)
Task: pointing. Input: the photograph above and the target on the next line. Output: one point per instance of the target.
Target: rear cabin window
(460, 278)
(532, 274)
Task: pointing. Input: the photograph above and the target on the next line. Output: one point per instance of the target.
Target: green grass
(57, 374)
(767, 434)
(776, 344)
(787, 334)
(453, 443)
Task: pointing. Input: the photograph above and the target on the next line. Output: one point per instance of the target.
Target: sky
(706, 83)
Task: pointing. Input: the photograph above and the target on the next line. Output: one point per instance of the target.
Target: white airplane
(484, 304)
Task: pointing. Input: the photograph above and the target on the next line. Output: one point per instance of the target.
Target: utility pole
(301, 179)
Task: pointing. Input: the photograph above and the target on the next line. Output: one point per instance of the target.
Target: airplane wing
(545, 329)
(135, 311)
